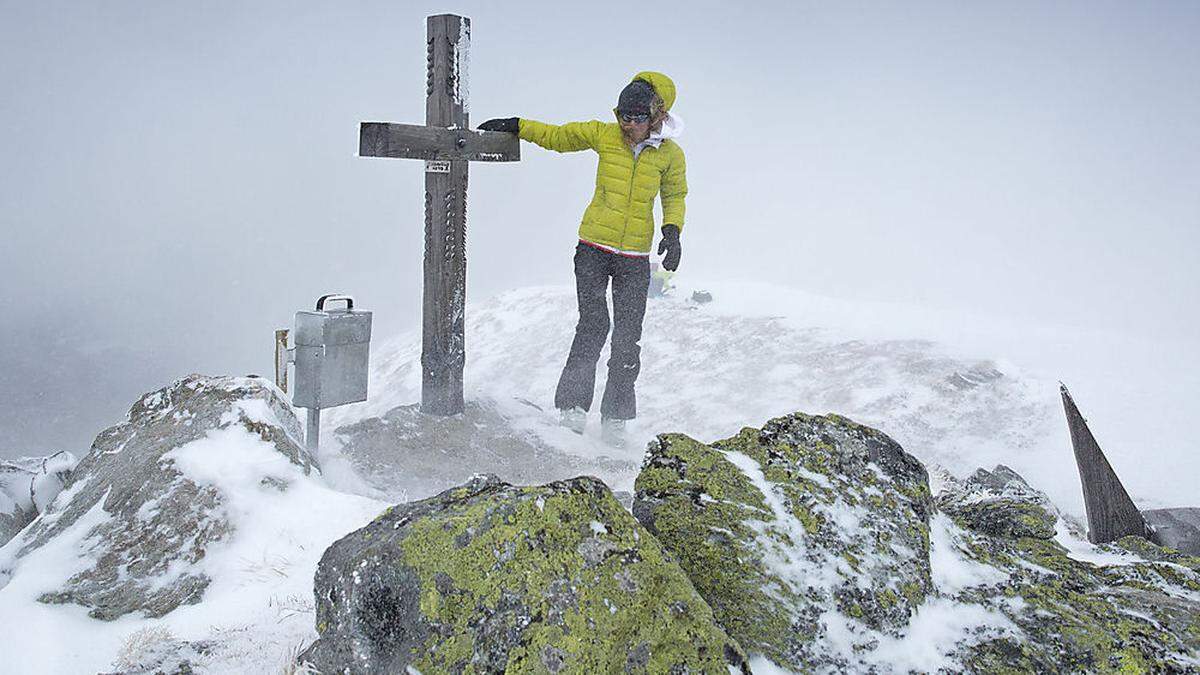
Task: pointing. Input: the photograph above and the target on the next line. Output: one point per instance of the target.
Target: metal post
(283, 357)
(313, 435)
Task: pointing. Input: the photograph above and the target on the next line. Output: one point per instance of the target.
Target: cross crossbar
(414, 141)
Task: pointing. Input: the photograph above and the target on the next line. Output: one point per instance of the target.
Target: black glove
(510, 124)
(670, 245)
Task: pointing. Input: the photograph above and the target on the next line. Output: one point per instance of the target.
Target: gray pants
(630, 280)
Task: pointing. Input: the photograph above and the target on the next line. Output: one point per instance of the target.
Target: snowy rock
(27, 486)
(999, 503)
(154, 522)
(49, 476)
(1127, 607)
(817, 545)
(1177, 528)
(407, 455)
(16, 507)
(490, 577)
(809, 538)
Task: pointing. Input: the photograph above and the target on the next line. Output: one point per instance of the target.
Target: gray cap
(636, 97)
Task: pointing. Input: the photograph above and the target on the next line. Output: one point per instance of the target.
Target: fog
(176, 179)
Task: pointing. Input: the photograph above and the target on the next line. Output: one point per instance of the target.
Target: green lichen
(1081, 617)
(1002, 517)
(488, 552)
(1151, 551)
(1074, 616)
(711, 535)
(888, 598)
(913, 592)
(821, 469)
(1004, 656)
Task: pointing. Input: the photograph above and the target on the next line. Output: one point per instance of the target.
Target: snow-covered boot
(612, 432)
(574, 419)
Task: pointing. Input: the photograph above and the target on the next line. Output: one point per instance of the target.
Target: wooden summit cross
(447, 145)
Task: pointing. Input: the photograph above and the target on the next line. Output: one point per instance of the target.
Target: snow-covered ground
(960, 392)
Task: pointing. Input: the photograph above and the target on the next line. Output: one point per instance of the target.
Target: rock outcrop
(809, 532)
(1132, 607)
(813, 543)
(490, 577)
(810, 540)
(15, 508)
(149, 523)
(998, 503)
(27, 486)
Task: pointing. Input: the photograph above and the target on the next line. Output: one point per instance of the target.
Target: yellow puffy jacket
(621, 213)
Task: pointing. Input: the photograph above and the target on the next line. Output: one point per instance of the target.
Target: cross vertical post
(447, 145)
(443, 348)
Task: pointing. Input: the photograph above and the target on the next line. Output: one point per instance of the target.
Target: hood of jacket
(672, 126)
(663, 86)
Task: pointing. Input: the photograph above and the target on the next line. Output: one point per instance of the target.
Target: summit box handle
(335, 296)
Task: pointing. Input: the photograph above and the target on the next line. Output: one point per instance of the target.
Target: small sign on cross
(447, 145)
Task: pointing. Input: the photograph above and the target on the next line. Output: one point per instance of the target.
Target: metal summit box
(331, 355)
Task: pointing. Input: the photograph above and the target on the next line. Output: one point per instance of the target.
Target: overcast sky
(176, 179)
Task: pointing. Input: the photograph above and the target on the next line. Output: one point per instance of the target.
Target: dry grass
(292, 665)
(266, 569)
(292, 606)
(140, 645)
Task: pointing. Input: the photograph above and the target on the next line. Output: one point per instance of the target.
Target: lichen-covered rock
(1150, 551)
(809, 538)
(27, 486)
(154, 523)
(999, 503)
(490, 577)
(1096, 610)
